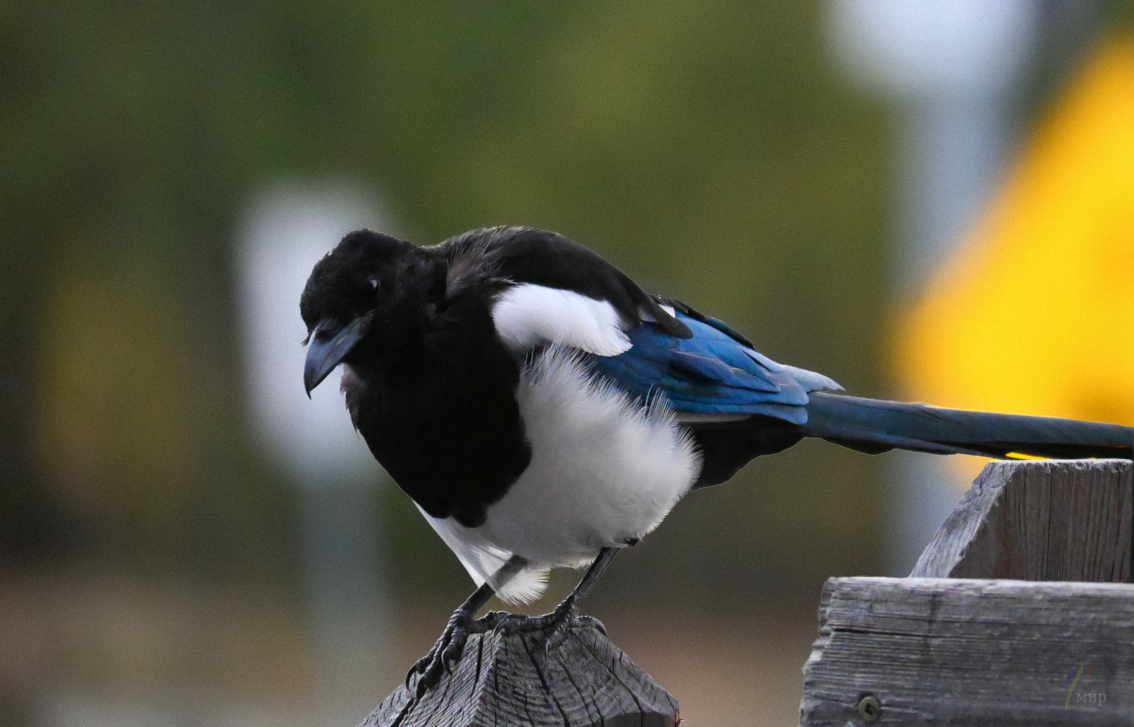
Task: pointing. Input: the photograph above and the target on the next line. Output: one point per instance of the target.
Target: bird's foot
(448, 649)
(553, 627)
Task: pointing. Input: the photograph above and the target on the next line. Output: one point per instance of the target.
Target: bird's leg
(450, 646)
(555, 624)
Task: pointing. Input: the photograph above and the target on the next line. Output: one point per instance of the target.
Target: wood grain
(972, 652)
(507, 679)
(1056, 520)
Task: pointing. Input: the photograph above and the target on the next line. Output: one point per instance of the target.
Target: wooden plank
(507, 679)
(1055, 520)
(931, 651)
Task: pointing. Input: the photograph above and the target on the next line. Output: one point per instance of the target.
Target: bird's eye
(373, 283)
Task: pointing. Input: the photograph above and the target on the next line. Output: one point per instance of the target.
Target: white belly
(604, 470)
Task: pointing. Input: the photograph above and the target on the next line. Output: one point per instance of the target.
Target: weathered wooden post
(507, 679)
(1019, 612)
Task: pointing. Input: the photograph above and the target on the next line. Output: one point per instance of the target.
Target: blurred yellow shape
(1019, 455)
(1035, 314)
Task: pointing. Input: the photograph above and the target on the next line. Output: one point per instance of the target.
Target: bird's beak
(324, 354)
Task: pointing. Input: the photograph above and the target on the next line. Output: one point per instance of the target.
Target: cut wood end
(507, 678)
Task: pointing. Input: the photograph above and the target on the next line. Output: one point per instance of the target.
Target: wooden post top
(508, 679)
(1054, 520)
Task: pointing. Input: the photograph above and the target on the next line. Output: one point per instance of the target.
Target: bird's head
(349, 297)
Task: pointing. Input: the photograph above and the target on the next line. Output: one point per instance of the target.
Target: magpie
(542, 410)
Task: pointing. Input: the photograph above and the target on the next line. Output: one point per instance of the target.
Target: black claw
(452, 654)
(592, 622)
(509, 623)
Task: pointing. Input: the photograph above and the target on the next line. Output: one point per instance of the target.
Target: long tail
(873, 426)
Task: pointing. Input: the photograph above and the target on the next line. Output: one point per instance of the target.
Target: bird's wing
(715, 373)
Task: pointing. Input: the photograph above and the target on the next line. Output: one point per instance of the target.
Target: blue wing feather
(710, 373)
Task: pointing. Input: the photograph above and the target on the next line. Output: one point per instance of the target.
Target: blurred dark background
(151, 549)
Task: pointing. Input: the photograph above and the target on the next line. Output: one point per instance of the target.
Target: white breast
(604, 470)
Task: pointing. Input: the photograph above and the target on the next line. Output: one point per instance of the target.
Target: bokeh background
(170, 553)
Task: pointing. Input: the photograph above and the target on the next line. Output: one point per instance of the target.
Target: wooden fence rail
(1020, 612)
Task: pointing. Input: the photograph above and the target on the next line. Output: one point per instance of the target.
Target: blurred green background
(149, 547)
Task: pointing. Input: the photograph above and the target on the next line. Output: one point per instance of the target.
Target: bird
(543, 411)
